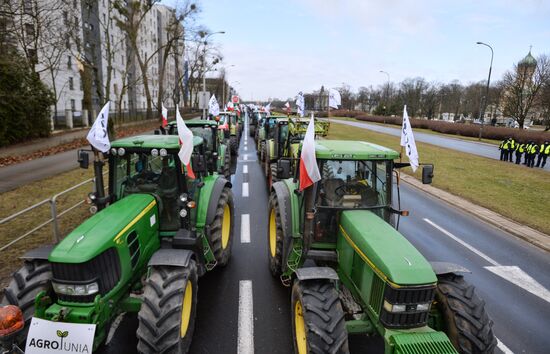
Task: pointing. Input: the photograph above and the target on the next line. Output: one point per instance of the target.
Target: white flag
(287, 105)
(164, 115)
(309, 171)
(334, 98)
(186, 141)
(267, 108)
(407, 140)
(98, 135)
(213, 106)
(300, 103)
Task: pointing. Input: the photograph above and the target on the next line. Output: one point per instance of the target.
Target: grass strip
(517, 192)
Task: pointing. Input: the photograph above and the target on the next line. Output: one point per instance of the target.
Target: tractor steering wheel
(354, 188)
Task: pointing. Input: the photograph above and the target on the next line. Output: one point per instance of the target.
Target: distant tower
(527, 65)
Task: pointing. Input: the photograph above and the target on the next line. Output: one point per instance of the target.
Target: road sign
(204, 97)
(235, 99)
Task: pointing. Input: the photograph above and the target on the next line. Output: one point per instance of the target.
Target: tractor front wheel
(261, 151)
(220, 234)
(275, 237)
(466, 322)
(34, 277)
(273, 174)
(227, 164)
(318, 323)
(234, 144)
(167, 315)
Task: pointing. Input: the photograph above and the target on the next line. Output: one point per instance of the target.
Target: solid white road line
(503, 348)
(513, 274)
(517, 276)
(245, 157)
(245, 340)
(245, 168)
(245, 148)
(465, 244)
(245, 189)
(245, 228)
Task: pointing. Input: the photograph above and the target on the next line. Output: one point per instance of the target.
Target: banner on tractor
(213, 106)
(334, 98)
(309, 170)
(186, 142)
(300, 103)
(98, 135)
(48, 337)
(164, 116)
(407, 140)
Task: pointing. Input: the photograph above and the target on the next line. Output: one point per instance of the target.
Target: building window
(116, 89)
(104, 19)
(73, 105)
(33, 58)
(71, 83)
(67, 41)
(65, 17)
(75, 3)
(27, 7)
(81, 85)
(69, 62)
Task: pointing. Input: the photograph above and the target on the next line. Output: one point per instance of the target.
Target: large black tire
(261, 151)
(318, 324)
(273, 174)
(252, 130)
(466, 322)
(167, 315)
(234, 145)
(220, 234)
(35, 276)
(227, 164)
(275, 237)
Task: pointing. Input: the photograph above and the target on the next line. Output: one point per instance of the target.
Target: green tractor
(265, 131)
(156, 231)
(234, 128)
(282, 146)
(253, 121)
(217, 151)
(352, 272)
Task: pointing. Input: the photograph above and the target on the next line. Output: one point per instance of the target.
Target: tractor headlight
(76, 289)
(121, 151)
(163, 152)
(113, 151)
(183, 198)
(397, 308)
(183, 213)
(154, 152)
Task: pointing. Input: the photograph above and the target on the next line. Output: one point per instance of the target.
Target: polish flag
(164, 116)
(309, 171)
(186, 142)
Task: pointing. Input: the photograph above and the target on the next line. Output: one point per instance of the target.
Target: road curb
(536, 238)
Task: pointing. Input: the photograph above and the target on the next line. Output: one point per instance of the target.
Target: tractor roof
(198, 122)
(153, 142)
(352, 150)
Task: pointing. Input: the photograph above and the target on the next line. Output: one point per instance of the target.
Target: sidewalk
(526, 233)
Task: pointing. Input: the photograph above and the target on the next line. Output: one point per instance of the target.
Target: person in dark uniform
(534, 150)
(512, 148)
(544, 151)
(520, 149)
(527, 152)
(501, 148)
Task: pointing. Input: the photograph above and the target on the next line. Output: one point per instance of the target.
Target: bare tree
(522, 88)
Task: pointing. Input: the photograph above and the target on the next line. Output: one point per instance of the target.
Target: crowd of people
(530, 151)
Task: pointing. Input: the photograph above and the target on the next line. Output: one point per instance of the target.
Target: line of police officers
(529, 150)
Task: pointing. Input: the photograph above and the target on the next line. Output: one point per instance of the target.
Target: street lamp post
(387, 93)
(485, 99)
(205, 36)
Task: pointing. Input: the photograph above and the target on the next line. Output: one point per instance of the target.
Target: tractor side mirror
(83, 159)
(427, 174)
(283, 169)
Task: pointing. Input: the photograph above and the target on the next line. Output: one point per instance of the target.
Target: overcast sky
(281, 47)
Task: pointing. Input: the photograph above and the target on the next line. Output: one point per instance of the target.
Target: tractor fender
(285, 210)
(42, 252)
(316, 273)
(217, 189)
(446, 268)
(171, 257)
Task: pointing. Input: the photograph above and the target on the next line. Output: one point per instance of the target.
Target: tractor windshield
(156, 175)
(355, 183)
(207, 133)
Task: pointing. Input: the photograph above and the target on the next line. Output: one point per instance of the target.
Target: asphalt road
(471, 147)
(521, 318)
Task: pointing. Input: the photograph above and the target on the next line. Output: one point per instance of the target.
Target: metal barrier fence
(55, 214)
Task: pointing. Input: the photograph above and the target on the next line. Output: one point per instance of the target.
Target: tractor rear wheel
(275, 237)
(318, 323)
(220, 234)
(272, 174)
(34, 277)
(261, 151)
(234, 144)
(227, 164)
(167, 315)
(251, 130)
(466, 322)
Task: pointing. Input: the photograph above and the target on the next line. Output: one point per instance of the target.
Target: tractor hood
(104, 229)
(385, 250)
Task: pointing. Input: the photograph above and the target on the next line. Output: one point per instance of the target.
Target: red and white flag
(164, 116)
(309, 170)
(229, 106)
(186, 142)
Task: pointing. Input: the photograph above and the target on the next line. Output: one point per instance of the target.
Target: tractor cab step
(322, 255)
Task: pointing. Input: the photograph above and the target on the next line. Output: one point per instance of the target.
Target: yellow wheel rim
(226, 226)
(272, 233)
(300, 328)
(186, 308)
